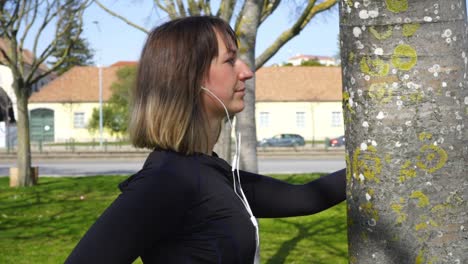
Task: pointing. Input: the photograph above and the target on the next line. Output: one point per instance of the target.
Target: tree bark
(25, 177)
(405, 104)
(246, 30)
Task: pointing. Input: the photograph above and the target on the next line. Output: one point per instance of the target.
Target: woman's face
(226, 79)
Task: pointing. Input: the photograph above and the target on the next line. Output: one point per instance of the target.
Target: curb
(144, 154)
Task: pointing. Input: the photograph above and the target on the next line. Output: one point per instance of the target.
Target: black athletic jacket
(182, 209)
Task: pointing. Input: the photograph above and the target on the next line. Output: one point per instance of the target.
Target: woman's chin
(239, 108)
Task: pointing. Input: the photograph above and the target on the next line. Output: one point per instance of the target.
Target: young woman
(186, 205)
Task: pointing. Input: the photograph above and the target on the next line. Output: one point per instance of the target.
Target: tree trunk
(246, 126)
(405, 105)
(25, 177)
(246, 30)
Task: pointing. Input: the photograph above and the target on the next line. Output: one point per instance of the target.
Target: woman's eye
(231, 61)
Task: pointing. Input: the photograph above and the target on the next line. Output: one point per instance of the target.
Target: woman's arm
(148, 210)
(269, 197)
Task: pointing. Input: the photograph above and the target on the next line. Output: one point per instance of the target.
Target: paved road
(107, 167)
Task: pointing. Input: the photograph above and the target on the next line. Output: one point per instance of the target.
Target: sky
(113, 40)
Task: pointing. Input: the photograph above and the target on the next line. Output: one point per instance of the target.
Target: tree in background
(79, 53)
(313, 62)
(248, 18)
(115, 111)
(405, 91)
(21, 19)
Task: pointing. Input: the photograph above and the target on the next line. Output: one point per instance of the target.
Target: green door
(42, 125)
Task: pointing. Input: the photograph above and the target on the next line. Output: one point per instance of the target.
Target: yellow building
(299, 100)
(62, 109)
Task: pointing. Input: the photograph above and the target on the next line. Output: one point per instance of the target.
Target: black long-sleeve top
(182, 209)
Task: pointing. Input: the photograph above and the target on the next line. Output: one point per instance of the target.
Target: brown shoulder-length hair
(166, 105)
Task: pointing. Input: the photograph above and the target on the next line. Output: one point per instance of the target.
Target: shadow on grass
(55, 207)
(307, 231)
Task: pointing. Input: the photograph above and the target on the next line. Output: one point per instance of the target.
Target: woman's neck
(214, 127)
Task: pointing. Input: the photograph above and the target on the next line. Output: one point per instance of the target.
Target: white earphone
(235, 167)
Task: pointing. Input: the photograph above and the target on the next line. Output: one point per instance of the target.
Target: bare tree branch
(28, 24)
(6, 57)
(194, 8)
(17, 53)
(34, 78)
(325, 5)
(268, 8)
(18, 16)
(181, 7)
(112, 13)
(205, 5)
(170, 9)
(310, 11)
(44, 24)
(48, 17)
(161, 6)
(226, 9)
(239, 19)
(38, 61)
(6, 18)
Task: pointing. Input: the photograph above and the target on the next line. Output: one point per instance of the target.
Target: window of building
(300, 119)
(264, 119)
(78, 120)
(336, 119)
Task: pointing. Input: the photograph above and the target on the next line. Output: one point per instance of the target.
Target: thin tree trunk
(25, 177)
(246, 29)
(246, 126)
(406, 104)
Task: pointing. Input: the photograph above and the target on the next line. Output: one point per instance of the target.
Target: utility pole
(100, 91)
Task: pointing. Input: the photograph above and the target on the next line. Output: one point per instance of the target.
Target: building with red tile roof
(300, 100)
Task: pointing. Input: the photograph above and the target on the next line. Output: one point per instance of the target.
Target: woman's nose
(244, 71)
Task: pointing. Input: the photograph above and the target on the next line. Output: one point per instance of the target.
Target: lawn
(42, 224)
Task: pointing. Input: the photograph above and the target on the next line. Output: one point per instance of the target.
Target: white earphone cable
(235, 168)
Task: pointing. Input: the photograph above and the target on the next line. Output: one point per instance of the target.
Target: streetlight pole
(100, 105)
(100, 92)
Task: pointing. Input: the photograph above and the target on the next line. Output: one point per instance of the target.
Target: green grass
(42, 224)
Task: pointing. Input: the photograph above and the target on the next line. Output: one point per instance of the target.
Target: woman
(186, 205)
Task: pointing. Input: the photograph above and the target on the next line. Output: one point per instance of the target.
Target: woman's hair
(166, 105)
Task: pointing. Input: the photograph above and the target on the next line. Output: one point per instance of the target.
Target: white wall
(2, 135)
(13, 135)
(6, 82)
(64, 121)
(282, 119)
(298, 62)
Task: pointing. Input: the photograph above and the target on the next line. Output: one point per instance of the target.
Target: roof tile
(298, 84)
(279, 84)
(79, 84)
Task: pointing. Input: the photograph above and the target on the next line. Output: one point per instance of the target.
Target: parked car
(283, 140)
(337, 142)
